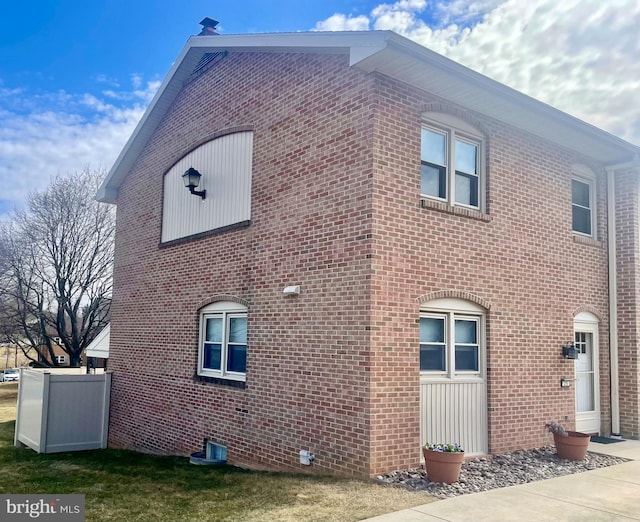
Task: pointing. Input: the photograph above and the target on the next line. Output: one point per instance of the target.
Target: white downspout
(613, 302)
(613, 289)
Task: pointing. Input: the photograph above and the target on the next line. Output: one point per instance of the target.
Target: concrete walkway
(611, 493)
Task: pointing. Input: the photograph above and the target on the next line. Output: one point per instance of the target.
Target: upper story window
(452, 158)
(583, 201)
(223, 341)
(451, 339)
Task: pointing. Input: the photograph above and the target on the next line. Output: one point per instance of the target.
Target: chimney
(208, 26)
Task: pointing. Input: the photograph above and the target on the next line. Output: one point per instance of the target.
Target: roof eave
(167, 92)
(358, 44)
(392, 55)
(414, 64)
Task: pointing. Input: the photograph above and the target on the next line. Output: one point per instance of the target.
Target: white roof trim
(99, 347)
(392, 55)
(451, 304)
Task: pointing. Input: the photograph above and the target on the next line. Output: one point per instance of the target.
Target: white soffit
(427, 70)
(394, 56)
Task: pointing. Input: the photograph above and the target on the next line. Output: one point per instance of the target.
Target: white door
(587, 375)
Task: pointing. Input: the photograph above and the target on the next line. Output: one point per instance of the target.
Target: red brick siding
(308, 362)
(523, 260)
(335, 209)
(627, 234)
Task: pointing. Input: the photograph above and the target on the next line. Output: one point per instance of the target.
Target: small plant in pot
(570, 445)
(443, 461)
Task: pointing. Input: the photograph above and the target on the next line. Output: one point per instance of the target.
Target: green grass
(127, 486)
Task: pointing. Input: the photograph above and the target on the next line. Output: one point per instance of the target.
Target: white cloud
(463, 11)
(580, 56)
(148, 92)
(400, 16)
(136, 81)
(340, 22)
(48, 134)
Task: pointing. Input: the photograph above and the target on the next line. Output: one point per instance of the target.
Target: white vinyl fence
(62, 412)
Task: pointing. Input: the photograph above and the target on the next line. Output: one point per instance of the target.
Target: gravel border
(500, 471)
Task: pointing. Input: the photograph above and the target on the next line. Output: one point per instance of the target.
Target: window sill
(583, 240)
(425, 378)
(219, 380)
(456, 211)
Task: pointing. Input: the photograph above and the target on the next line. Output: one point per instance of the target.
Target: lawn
(127, 486)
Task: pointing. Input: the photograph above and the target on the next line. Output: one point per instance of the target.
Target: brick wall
(336, 210)
(522, 259)
(627, 235)
(308, 362)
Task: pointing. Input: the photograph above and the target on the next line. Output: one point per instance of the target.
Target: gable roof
(395, 56)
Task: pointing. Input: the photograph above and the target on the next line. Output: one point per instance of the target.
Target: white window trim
(447, 337)
(585, 175)
(61, 359)
(452, 309)
(456, 128)
(226, 309)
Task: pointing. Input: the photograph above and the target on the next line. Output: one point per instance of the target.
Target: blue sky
(77, 46)
(75, 76)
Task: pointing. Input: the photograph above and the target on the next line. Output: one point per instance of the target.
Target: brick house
(388, 248)
(61, 357)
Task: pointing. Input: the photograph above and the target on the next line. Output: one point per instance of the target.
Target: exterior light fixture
(570, 351)
(191, 180)
(291, 290)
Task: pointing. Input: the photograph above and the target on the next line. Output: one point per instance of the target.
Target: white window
(223, 341)
(451, 339)
(61, 359)
(583, 199)
(452, 163)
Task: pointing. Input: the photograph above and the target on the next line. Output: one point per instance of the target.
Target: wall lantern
(191, 180)
(570, 351)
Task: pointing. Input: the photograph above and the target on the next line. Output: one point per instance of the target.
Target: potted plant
(570, 445)
(443, 462)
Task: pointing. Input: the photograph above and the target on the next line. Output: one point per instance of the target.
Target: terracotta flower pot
(572, 447)
(442, 466)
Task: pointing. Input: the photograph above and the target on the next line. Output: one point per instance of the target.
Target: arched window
(223, 341)
(452, 339)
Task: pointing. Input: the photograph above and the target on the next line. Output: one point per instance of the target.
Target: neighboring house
(97, 334)
(59, 354)
(391, 249)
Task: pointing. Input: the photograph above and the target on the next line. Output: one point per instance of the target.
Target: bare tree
(56, 262)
